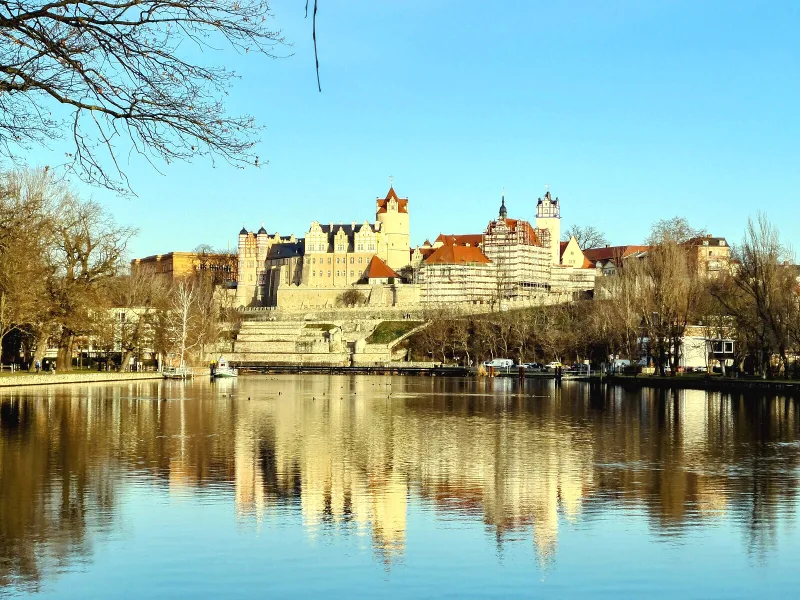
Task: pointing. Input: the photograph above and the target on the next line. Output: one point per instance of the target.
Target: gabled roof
(402, 203)
(378, 269)
(613, 252)
(425, 252)
(462, 239)
(451, 254)
(562, 248)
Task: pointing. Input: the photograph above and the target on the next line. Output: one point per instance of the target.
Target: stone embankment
(73, 377)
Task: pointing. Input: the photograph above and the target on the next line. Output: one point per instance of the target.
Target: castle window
(329, 260)
(351, 273)
(360, 260)
(313, 273)
(352, 260)
(329, 273)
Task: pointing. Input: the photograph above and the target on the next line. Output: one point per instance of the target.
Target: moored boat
(222, 369)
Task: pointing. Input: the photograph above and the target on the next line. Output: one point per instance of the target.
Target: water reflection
(354, 456)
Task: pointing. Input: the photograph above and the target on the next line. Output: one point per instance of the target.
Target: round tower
(548, 216)
(242, 297)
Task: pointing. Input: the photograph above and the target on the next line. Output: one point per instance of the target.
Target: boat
(181, 372)
(221, 369)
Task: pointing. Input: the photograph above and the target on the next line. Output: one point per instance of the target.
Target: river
(395, 487)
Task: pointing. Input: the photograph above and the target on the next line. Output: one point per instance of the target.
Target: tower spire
(503, 211)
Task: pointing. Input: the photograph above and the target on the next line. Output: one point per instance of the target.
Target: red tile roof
(378, 269)
(462, 239)
(612, 252)
(451, 254)
(402, 203)
(562, 247)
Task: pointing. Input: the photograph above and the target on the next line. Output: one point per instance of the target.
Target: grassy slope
(388, 331)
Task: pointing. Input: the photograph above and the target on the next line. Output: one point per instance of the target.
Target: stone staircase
(261, 343)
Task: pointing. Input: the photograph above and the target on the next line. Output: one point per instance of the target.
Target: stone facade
(329, 258)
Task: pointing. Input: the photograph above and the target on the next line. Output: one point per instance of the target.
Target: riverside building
(511, 260)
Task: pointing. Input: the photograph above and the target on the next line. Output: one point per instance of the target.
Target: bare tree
(141, 295)
(676, 229)
(25, 228)
(587, 236)
(761, 295)
(88, 249)
(182, 320)
(119, 74)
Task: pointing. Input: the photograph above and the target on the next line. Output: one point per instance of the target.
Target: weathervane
(391, 181)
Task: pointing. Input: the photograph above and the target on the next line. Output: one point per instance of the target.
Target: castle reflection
(354, 455)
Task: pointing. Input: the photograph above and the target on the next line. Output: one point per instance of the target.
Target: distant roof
(613, 252)
(402, 203)
(425, 251)
(378, 269)
(287, 249)
(262, 230)
(706, 240)
(562, 248)
(461, 239)
(243, 231)
(450, 254)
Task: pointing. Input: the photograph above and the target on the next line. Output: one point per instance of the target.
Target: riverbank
(706, 383)
(19, 380)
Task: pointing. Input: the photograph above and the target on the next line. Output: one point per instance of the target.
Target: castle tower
(244, 286)
(548, 216)
(392, 214)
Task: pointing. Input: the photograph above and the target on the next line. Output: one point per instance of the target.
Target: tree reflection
(352, 455)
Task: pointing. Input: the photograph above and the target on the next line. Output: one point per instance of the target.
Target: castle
(329, 257)
(511, 259)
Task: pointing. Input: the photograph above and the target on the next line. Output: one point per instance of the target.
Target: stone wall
(74, 377)
(304, 298)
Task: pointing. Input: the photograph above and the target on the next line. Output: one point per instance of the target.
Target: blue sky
(630, 111)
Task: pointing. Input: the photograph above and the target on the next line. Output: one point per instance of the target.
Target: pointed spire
(503, 211)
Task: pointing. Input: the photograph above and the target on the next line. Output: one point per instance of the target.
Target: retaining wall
(77, 377)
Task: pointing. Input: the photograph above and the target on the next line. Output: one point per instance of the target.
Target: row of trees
(63, 268)
(643, 311)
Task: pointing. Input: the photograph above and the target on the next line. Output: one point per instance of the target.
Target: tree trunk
(127, 357)
(64, 356)
(41, 347)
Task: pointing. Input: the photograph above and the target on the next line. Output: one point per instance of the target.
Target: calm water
(380, 487)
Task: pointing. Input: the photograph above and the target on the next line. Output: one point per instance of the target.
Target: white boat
(223, 369)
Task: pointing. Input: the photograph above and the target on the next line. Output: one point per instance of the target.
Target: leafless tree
(761, 295)
(127, 74)
(676, 229)
(587, 236)
(141, 296)
(26, 207)
(88, 248)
